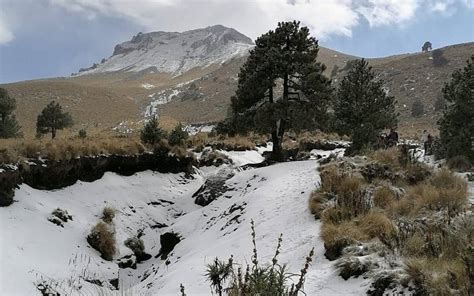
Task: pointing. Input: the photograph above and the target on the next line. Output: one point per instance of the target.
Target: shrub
(178, 135)
(459, 163)
(351, 195)
(317, 203)
(258, 279)
(389, 156)
(338, 236)
(416, 173)
(82, 134)
(331, 177)
(136, 245)
(377, 225)
(383, 196)
(102, 238)
(108, 214)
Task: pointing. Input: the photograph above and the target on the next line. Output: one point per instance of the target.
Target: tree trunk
(276, 151)
(285, 87)
(53, 133)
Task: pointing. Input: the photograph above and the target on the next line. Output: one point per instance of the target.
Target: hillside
(191, 76)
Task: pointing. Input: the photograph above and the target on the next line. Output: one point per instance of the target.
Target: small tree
(362, 108)
(8, 125)
(427, 46)
(178, 135)
(457, 125)
(417, 109)
(52, 119)
(82, 133)
(151, 132)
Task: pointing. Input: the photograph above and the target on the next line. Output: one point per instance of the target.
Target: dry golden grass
(377, 224)
(14, 150)
(317, 203)
(438, 277)
(345, 233)
(389, 156)
(331, 177)
(383, 196)
(102, 238)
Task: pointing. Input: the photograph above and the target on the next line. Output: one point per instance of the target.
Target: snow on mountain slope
(173, 52)
(275, 197)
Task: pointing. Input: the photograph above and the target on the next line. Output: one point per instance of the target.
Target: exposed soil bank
(48, 175)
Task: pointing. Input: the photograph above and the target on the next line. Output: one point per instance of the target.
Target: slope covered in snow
(173, 52)
(35, 250)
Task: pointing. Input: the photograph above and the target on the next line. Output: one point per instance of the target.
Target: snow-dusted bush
(102, 238)
(136, 245)
(108, 214)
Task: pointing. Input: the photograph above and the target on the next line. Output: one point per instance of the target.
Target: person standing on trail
(392, 138)
(425, 140)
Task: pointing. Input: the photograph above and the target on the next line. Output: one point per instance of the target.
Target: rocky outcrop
(48, 175)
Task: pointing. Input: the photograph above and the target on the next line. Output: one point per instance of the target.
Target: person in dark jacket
(392, 138)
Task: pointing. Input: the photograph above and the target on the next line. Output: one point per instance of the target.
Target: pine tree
(151, 132)
(178, 135)
(362, 108)
(457, 125)
(51, 119)
(287, 56)
(9, 127)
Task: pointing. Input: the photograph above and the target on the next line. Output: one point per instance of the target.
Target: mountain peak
(174, 52)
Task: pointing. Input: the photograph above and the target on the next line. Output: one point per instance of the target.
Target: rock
(168, 241)
(129, 261)
(213, 188)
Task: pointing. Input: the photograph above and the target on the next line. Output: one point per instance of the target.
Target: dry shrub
(338, 236)
(389, 157)
(351, 195)
(383, 196)
(433, 276)
(199, 141)
(331, 177)
(459, 163)
(69, 148)
(108, 214)
(336, 215)
(377, 224)
(317, 203)
(414, 246)
(102, 238)
(416, 173)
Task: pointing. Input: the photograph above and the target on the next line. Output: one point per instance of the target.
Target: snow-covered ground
(275, 197)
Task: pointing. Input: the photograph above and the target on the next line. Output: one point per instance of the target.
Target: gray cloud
(252, 17)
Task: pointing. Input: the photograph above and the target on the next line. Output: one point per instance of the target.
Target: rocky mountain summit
(173, 52)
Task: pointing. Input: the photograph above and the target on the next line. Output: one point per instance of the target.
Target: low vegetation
(273, 278)
(102, 235)
(422, 227)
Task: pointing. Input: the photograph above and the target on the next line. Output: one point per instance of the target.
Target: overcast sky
(48, 38)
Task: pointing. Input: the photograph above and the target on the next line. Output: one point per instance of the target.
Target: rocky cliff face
(172, 52)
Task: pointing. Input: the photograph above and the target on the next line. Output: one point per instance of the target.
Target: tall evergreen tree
(286, 57)
(151, 132)
(457, 124)
(51, 119)
(8, 125)
(362, 107)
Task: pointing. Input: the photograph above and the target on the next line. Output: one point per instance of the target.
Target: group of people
(385, 141)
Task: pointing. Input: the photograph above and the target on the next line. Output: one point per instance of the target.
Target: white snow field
(32, 249)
